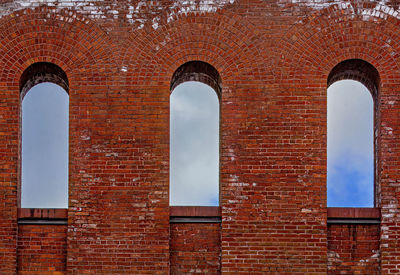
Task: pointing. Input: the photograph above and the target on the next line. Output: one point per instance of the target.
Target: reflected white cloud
(194, 145)
(350, 145)
(45, 147)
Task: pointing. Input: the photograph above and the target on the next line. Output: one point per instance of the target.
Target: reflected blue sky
(350, 145)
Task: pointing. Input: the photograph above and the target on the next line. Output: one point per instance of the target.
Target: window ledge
(42, 216)
(195, 214)
(348, 215)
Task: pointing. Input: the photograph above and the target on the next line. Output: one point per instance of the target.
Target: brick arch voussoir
(229, 47)
(45, 34)
(323, 42)
(317, 67)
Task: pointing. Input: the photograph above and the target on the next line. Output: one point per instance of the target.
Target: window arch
(194, 135)
(352, 134)
(44, 136)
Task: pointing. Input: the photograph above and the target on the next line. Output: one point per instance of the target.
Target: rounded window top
(197, 71)
(42, 72)
(359, 70)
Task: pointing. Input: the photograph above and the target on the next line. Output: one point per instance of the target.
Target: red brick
(195, 248)
(41, 249)
(353, 249)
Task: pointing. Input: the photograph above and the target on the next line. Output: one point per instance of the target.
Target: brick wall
(274, 59)
(353, 249)
(42, 249)
(195, 248)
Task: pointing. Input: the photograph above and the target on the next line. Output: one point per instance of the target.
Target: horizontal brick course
(195, 211)
(354, 213)
(42, 213)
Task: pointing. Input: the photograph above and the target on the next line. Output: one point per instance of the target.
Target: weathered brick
(42, 248)
(195, 248)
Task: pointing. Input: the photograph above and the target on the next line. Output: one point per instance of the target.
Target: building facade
(271, 63)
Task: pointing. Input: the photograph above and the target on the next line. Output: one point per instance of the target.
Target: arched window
(353, 86)
(194, 135)
(44, 134)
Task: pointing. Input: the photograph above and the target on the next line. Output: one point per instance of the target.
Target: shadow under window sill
(353, 215)
(57, 216)
(195, 214)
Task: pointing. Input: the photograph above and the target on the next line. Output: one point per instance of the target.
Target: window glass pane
(350, 145)
(45, 147)
(194, 145)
